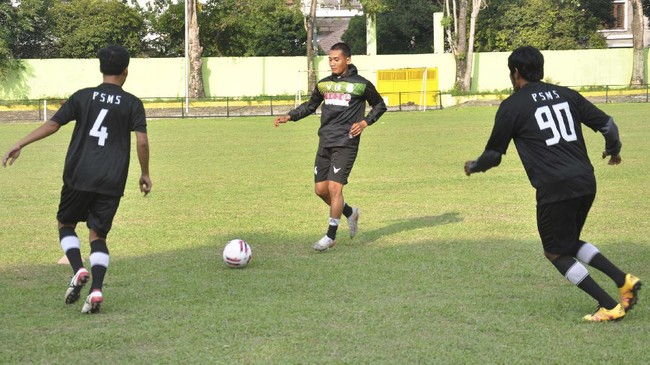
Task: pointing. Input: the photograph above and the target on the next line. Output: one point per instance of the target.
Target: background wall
(254, 76)
(568, 68)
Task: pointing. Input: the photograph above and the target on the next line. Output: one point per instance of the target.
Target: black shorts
(560, 223)
(334, 163)
(97, 210)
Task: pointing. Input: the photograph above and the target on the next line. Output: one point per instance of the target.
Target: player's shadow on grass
(409, 224)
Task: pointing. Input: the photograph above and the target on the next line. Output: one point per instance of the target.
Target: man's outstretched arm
(46, 129)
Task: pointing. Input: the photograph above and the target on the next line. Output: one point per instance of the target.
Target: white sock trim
(587, 252)
(69, 242)
(99, 258)
(334, 221)
(576, 273)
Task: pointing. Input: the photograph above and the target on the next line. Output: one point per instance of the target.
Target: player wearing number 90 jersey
(544, 122)
(99, 153)
(543, 119)
(96, 167)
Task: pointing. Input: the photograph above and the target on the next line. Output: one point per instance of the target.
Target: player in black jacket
(544, 121)
(344, 95)
(96, 167)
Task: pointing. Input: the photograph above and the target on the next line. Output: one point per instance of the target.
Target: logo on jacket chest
(337, 93)
(334, 98)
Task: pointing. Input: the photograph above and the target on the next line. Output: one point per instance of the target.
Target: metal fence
(215, 107)
(615, 93)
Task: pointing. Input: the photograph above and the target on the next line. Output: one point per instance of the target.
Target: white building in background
(332, 19)
(620, 33)
(332, 8)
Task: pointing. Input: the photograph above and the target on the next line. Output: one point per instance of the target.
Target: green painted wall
(157, 77)
(568, 68)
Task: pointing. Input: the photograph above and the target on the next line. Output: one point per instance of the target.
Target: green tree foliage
(82, 27)
(374, 6)
(228, 28)
(34, 37)
(601, 9)
(78, 28)
(252, 28)
(7, 30)
(403, 27)
(545, 24)
(7, 35)
(166, 27)
(355, 35)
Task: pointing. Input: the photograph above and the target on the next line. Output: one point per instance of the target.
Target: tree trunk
(638, 57)
(451, 34)
(476, 7)
(461, 46)
(310, 26)
(371, 35)
(196, 89)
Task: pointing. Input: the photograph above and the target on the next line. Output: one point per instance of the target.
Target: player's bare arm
(358, 127)
(143, 158)
(46, 129)
(281, 119)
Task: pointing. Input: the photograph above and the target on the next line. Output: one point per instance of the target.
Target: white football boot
(93, 302)
(324, 243)
(78, 281)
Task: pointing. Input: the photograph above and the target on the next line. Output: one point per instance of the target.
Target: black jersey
(344, 100)
(544, 121)
(99, 152)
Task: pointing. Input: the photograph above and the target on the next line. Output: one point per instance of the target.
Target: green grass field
(446, 269)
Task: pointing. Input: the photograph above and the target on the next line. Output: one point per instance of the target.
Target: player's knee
(334, 189)
(66, 226)
(66, 231)
(321, 191)
(550, 256)
(95, 235)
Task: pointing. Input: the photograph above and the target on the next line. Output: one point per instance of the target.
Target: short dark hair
(529, 61)
(113, 60)
(343, 47)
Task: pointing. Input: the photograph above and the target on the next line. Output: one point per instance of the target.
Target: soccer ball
(237, 253)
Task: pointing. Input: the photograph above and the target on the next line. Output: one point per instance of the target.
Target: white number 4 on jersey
(97, 130)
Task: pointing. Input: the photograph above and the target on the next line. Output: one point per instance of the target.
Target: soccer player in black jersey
(96, 167)
(544, 121)
(344, 95)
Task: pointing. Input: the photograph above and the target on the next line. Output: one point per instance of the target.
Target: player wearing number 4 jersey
(544, 122)
(96, 167)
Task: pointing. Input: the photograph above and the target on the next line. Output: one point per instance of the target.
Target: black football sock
(590, 255)
(99, 263)
(71, 247)
(589, 286)
(601, 263)
(331, 232)
(98, 272)
(331, 229)
(577, 274)
(347, 210)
